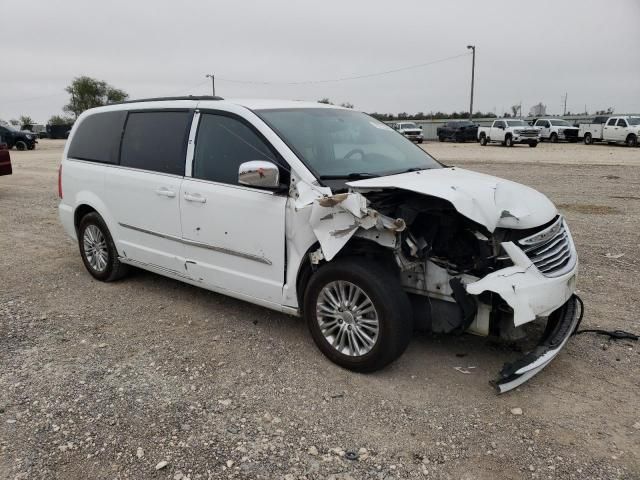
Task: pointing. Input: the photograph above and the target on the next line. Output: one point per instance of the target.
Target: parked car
(319, 211)
(21, 139)
(556, 129)
(39, 130)
(5, 159)
(410, 130)
(509, 132)
(458, 131)
(620, 129)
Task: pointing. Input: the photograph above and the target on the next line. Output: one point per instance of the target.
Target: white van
(319, 211)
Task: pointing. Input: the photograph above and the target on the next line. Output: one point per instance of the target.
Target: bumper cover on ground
(560, 326)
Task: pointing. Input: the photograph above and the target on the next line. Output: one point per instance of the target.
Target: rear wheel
(588, 139)
(358, 314)
(554, 138)
(508, 141)
(632, 140)
(98, 251)
(483, 140)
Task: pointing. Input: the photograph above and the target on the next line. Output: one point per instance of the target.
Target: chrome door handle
(165, 192)
(196, 197)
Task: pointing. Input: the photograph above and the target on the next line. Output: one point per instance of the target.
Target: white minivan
(319, 211)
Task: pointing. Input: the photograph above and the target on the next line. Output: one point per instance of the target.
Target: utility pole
(213, 83)
(564, 110)
(473, 72)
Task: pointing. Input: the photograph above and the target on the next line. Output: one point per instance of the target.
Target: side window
(499, 124)
(622, 122)
(98, 137)
(546, 124)
(223, 143)
(156, 141)
(611, 122)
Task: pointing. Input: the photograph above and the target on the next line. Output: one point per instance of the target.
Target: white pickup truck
(508, 132)
(622, 129)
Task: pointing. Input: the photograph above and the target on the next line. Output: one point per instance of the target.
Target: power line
(352, 77)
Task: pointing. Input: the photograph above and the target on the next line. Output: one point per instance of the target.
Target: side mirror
(420, 127)
(259, 173)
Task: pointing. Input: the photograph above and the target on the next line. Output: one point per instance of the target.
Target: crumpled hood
(487, 200)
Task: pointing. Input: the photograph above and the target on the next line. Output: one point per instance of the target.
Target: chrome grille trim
(551, 250)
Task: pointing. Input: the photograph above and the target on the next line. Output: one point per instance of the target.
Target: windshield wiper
(350, 176)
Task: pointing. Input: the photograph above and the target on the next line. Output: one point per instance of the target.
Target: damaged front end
(468, 265)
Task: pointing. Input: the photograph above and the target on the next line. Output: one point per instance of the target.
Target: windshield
(408, 125)
(338, 144)
(560, 123)
(10, 127)
(517, 123)
(633, 120)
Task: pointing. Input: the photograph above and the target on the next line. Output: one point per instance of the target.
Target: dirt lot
(108, 380)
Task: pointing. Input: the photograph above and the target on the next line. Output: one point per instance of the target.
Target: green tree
(25, 121)
(346, 105)
(59, 120)
(326, 101)
(14, 122)
(87, 92)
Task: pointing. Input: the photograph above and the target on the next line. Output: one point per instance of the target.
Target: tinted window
(156, 141)
(611, 122)
(499, 124)
(222, 144)
(98, 137)
(622, 123)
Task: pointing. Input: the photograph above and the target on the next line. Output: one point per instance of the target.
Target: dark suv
(21, 139)
(458, 131)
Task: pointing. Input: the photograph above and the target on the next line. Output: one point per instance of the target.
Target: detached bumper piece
(560, 326)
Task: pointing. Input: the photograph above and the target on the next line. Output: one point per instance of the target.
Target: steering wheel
(353, 152)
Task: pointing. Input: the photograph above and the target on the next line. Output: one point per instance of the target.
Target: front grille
(571, 133)
(529, 133)
(551, 250)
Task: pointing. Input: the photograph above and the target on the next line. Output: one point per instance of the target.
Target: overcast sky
(526, 51)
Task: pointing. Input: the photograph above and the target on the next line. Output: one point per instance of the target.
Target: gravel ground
(151, 378)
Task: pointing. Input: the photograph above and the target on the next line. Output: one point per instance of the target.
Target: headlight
(517, 131)
(561, 130)
(28, 137)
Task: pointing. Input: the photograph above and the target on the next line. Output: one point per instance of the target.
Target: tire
(94, 234)
(631, 141)
(389, 304)
(588, 139)
(21, 145)
(440, 138)
(553, 138)
(508, 141)
(533, 144)
(419, 141)
(483, 140)
(32, 147)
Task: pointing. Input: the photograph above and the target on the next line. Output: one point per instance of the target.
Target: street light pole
(213, 83)
(473, 72)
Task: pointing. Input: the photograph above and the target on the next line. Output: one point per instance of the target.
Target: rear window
(98, 137)
(156, 141)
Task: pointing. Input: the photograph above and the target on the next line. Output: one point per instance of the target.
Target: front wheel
(508, 142)
(588, 139)
(358, 314)
(554, 138)
(533, 144)
(98, 251)
(21, 145)
(419, 141)
(483, 140)
(441, 138)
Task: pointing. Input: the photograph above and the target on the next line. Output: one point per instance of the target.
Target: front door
(143, 192)
(234, 235)
(609, 131)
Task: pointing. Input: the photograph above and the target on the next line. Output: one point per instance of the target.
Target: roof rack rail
(161, 99)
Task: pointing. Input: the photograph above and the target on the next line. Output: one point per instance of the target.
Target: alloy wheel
(347, 318)
(95, 248)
